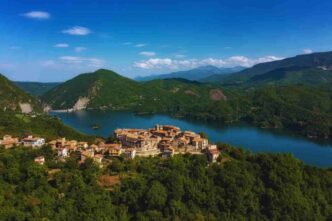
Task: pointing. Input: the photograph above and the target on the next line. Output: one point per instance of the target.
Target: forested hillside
(242, 186)
(13, 98)
(304, 109)
(106, 89)
(21, 125)
(35, 88)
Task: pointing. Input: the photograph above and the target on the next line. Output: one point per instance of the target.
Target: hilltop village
(163, 140)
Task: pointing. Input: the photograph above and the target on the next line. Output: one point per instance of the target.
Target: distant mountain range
(311, 69)
(196, 74)
(308, 69)
(36, 88)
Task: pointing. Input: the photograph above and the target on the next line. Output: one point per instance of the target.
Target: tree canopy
(240, 186)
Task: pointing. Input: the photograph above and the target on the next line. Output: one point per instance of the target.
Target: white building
(63, 152)
(31, 141)
(212, 153)
(200, 143)
(130, 153)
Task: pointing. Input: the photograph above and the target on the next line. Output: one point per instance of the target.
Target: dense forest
(303, 109)
(240, 186)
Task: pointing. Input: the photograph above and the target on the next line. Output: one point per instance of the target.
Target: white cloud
(71, 59)
(179, 56)
(80, 49)
(91, 62)
(148, 53)
(61, 45)
(267, 59)
(140, 45)
(154, 63)
(77, 30)
(168, 63)
(39, 15)
(307, 51)
(74, 61)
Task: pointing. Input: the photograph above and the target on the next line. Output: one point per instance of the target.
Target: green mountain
(14, 103)
(36, 88)
(14, 99)
(304, 67)
(106, 89)
(196, 74)
(304, 109)
(292, 75)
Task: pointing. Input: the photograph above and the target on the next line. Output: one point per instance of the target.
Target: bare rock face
(217, 95)
(81, 103)
(26, 108)
(326, 68)
(47, 108)
(190, 92)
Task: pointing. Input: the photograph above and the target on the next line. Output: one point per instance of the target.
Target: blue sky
(56, 40)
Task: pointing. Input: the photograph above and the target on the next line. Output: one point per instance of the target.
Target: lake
(241, 135)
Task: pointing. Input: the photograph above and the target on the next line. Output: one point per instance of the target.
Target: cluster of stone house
(9, 141)
(164, 140)
(98, 152)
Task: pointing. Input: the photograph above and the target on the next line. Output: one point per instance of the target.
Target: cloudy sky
(56, 40)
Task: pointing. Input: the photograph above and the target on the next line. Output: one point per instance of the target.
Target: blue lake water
(248, 137)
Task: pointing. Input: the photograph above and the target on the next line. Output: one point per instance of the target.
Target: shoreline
(200, 120)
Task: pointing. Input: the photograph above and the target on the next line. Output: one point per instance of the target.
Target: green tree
(156, 196)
